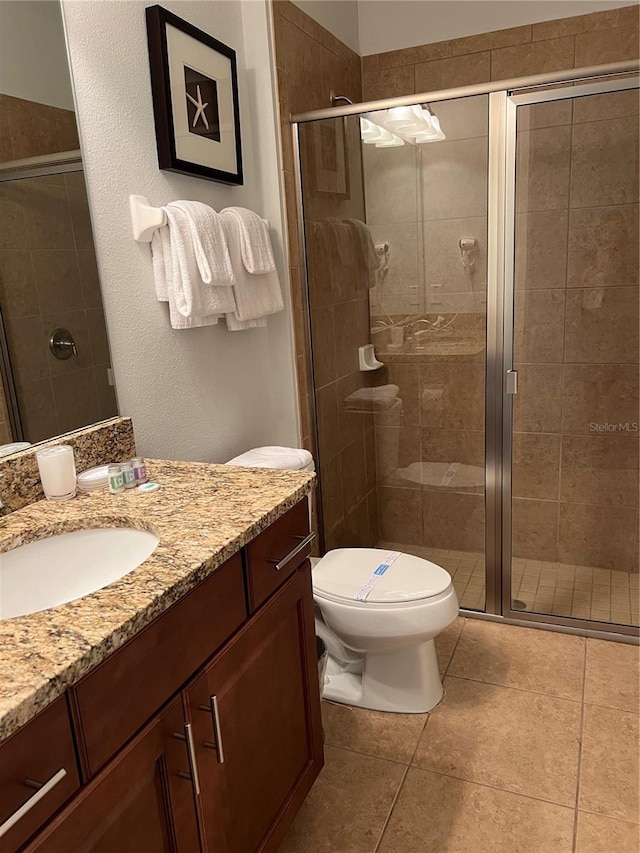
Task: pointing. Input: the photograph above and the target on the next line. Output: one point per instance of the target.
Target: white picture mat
(183, 49)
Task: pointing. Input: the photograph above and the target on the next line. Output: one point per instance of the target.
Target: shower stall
(484, 241)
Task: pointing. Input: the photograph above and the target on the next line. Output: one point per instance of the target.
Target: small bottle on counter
(140, 470)
(128, 475)
(116, 480)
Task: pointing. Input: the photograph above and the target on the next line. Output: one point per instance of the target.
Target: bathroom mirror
(55, 363)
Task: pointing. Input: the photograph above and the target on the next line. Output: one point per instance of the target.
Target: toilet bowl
(382, 610)
(377, 612)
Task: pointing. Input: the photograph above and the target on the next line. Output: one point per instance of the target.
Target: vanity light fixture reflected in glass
(392, 128)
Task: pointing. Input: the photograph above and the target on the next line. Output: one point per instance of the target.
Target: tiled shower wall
(311, 63)
(49, 278)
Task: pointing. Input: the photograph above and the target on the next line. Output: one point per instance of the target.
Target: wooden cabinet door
(142, 801)
(256, 721)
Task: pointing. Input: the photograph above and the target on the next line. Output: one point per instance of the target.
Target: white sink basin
(62, 568)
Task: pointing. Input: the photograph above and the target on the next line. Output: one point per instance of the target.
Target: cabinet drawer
(276, 553)
(35, 756)
(120, 695)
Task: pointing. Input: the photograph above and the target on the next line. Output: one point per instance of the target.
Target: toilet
(378, 613)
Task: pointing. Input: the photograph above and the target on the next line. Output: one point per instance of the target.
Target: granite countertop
(202, 514)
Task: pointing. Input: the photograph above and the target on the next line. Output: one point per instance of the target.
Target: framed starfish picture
(194, 83)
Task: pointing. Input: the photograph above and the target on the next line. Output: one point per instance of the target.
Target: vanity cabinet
(203, 732)
(256, 724)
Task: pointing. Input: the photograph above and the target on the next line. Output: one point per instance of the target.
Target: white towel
(256, 296)
(368, 260)
(377, 398)
(192, 303)
(209, 242)
(255, 243)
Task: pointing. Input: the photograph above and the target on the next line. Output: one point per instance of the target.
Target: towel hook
(144, 218)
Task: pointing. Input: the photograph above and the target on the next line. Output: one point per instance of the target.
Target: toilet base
(405, 681)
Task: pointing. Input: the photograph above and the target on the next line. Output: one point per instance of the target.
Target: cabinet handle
(216, 727)
(280, 564)
(192, 776)
(32, 801)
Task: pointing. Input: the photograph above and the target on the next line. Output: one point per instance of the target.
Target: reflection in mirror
(54, 353)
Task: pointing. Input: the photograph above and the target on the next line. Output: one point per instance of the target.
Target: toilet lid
(344, 573)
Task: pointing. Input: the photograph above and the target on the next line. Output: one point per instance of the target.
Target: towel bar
(144, 218)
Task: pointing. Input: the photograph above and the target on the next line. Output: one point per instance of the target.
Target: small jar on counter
(128, 475)
(116, 480)
(140, 470)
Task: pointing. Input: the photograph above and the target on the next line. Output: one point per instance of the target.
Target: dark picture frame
(196, 111)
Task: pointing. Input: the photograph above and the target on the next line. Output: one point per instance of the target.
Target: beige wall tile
(599, 834)
(539, 326)
(609, 773)
(578, 24)
(354, 474)
(98, 340)
(348, 805)
(630, 16)
(454, 177)
(613, 45)
(332, 504)
(480, 732)
(12, 226)
(6, 150)
(489, 41)
(76, 399)
(600, 536)
(541, 250)
(547, 114)
(612, 675)
(543, 168)
(89, 279)
(602, 325)
(453, 445)
(453, 520)
(57, 279)
(536, 465)
(28, 347)
(540, 661)
(324, 345)
(370, 63)
(452, 396)
(397, 448)
(400, 515)
(37, 410)
(352, 424)
(17, 284)
(407, 378)
(535, 529)
(603, 247)
(47, 216)
(414, 55)
(537, 406)
(390, 176)
(606, 106)
(351, 328)
(107, 401)
(303, 61)
(388, 82)
(328, 422)
(442, 259)
(600, 469)
(535, 58)
(604, 165)
(464, 118)
(453, 72)
(390, 736)
(598, 394)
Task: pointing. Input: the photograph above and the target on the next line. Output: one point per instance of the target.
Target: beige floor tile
(444, 815)
(609, 772)
(446, 643)
(511, 739)
(541, 661)
(390, 736)
(347, 807)
(598, 834)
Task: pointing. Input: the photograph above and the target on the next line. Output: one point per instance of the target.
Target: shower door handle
(511, 382)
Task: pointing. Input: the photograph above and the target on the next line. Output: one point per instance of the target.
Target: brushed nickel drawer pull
(48, 786)
(191, 755)
(307, 540)
(216, 727)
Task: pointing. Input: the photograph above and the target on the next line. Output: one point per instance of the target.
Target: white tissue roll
(57, 472)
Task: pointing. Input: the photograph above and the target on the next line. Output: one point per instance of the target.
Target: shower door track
(504, 97)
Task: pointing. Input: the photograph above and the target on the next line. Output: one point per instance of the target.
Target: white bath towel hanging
(192, 303)
(256, 296)
(209, 242)
(255, 242)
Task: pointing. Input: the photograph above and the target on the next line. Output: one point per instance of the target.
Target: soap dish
(93, 479)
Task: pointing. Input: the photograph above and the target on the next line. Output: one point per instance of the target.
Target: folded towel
(178, 280)
(372, 399)
(255, 243)
(256, 296)
(367, 258)
(209, 242)
(235, 325)
(283, 458)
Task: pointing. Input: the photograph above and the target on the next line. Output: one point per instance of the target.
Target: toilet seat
(342, 574)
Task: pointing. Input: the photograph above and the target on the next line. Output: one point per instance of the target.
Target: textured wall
(202, 394)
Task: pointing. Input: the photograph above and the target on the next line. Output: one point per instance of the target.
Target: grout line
(519, 689)
(579, 768)
(393, 805)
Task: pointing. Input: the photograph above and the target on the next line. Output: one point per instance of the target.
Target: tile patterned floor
(534, 749)
(583, 592)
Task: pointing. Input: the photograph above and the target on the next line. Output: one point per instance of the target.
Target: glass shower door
(574, 431)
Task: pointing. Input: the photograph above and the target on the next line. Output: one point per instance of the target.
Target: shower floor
(583, 592)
